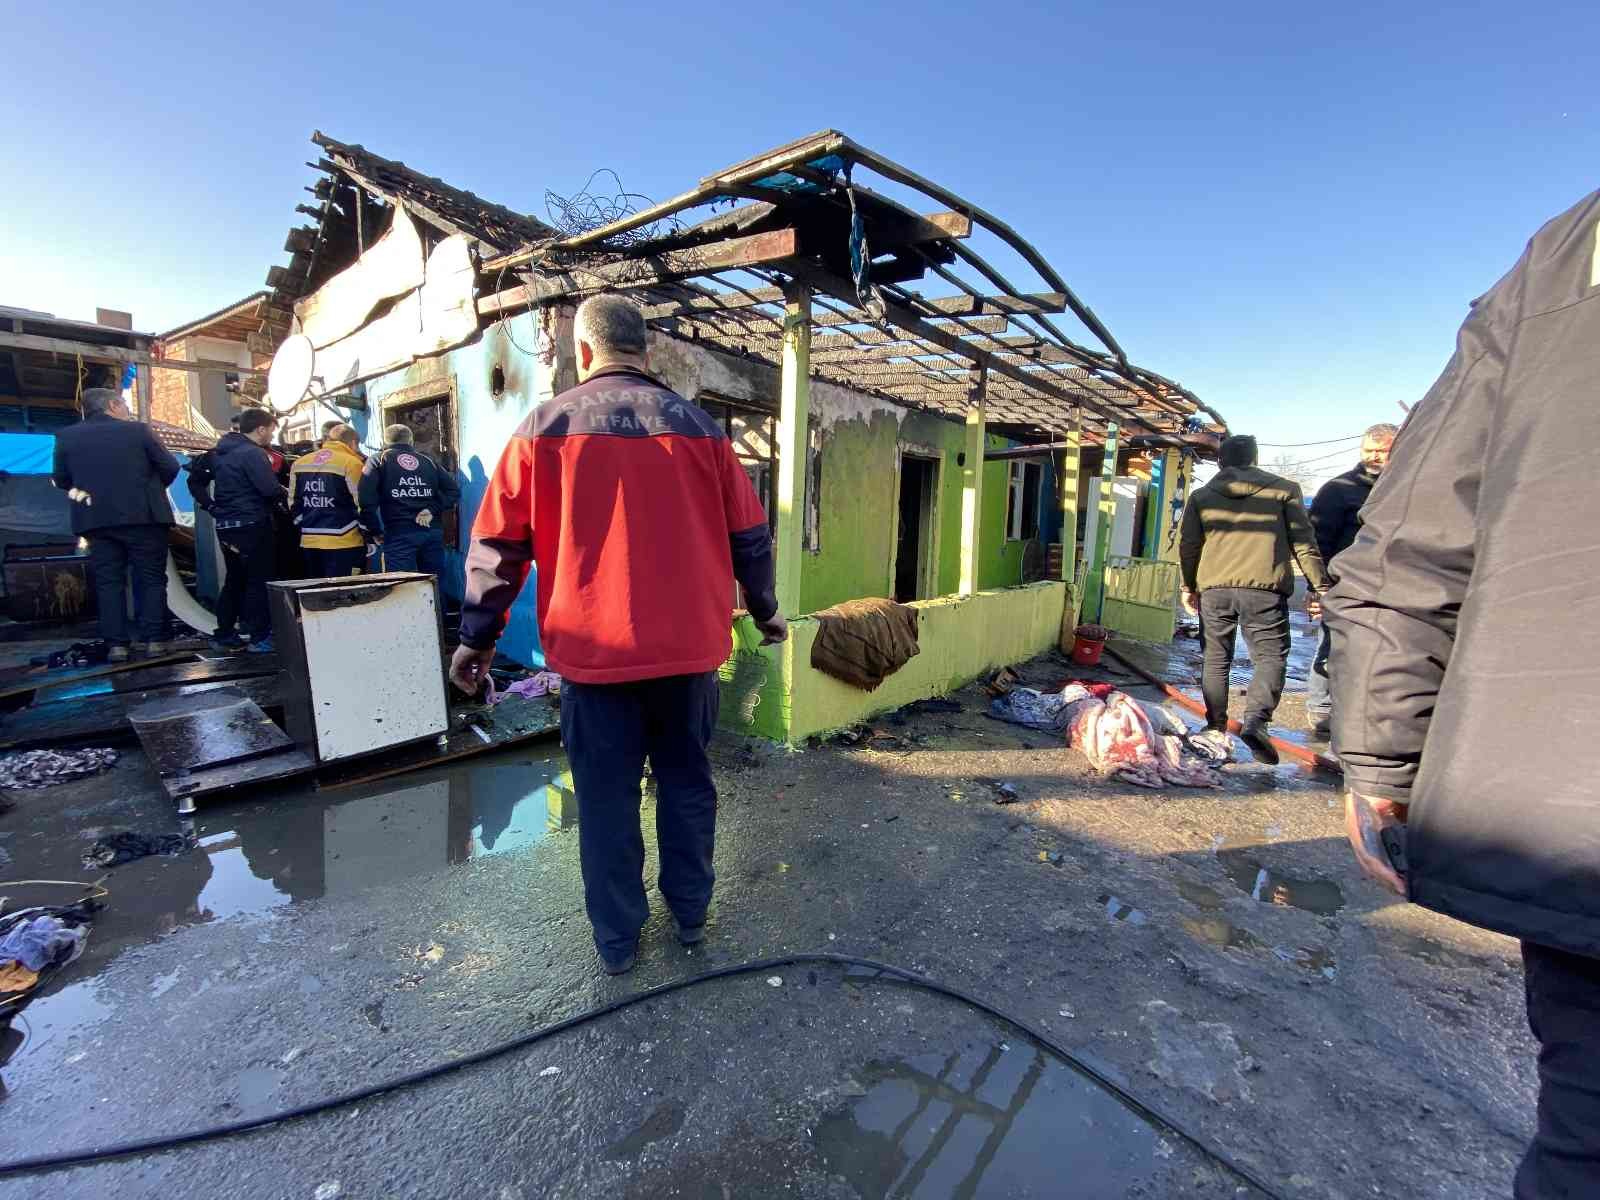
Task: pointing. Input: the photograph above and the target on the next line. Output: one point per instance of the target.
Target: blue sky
(1286, 210)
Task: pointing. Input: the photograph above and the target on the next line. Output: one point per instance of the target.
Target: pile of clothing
(117, 848)
(1144, 745)
(34, 944)
(863, 642)
(79, 654)
(45, 768)
(545, 683)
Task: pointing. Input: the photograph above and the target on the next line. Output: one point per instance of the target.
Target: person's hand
(1365, 819)
(1191, 602)
(469, 668)
(1314, 606)
(773, 630)
(425, 517)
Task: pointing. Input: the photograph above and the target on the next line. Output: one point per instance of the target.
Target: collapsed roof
(712, 265)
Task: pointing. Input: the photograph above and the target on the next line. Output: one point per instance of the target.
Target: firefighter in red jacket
(630, 505)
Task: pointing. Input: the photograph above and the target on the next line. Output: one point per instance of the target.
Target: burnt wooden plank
(206, 670)
(63, 678)
(84, 719)
(779, 245)
(284, 764)
(188, 733)
(512, 721)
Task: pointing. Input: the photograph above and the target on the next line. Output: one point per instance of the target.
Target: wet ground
(1215, 953)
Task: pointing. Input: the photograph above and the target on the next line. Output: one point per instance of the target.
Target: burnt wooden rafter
(719, 278)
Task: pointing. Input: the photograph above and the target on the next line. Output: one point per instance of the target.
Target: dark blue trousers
(609, 730)
(413, 548)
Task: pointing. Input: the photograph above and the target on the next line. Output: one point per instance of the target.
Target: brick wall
(169, 390)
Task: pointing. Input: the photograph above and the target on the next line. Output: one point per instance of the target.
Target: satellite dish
(289, 377)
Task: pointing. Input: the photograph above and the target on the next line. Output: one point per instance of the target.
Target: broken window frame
(1023, 486)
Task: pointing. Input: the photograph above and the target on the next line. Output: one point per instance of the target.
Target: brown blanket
(863, 642)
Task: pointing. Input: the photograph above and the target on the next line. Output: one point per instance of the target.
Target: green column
(1094, 586)
(794, 415)
(972, 486)
(1071, 473)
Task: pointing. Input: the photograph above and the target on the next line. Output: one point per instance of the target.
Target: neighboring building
(430, 306)
(45, 362)
(205, 401)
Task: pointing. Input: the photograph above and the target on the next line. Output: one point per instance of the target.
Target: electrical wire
(91, 1154)
(1354, 437)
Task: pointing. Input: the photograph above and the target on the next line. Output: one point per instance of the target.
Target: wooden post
(142, 387)
(1071, 471)
(794, 416)
(1094, 585)
(972, 485)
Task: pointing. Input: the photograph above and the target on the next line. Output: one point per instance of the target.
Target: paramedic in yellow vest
(323, 487)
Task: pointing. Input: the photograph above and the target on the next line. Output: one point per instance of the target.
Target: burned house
(918, 426)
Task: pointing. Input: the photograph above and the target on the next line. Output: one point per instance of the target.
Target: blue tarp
(27, 453)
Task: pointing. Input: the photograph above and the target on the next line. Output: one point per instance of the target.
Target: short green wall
(962, 637)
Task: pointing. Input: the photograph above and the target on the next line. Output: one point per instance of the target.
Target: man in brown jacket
(1239, 535)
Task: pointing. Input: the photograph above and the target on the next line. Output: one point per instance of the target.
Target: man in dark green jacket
(1240, 534)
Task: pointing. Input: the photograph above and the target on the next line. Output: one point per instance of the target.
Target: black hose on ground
(92, 1154)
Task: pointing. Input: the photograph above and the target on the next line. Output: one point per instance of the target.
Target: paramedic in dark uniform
(403, 495)
(323, 487)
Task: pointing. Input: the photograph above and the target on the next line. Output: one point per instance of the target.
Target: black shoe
(691, 935)
(227, 643)
(622, 966)
(1254, 736)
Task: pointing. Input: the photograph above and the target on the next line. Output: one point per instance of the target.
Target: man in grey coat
(117, 475)
(1467, 659)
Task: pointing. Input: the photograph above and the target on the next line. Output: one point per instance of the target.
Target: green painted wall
(961, 637)
(858, 504)
(1002, 560)
(859, 510)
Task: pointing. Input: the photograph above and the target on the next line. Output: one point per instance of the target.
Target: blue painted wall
(484, 425)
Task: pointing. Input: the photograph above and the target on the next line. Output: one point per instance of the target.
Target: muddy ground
(1214, 952)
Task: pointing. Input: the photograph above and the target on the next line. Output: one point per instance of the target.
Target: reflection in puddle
(1320, 896)
(1221, 933)
(1117, 910)
(1225, 934)
(991, 1121)
(1198, 894)
(1318, 962)
(255, 857)
(1433, 953)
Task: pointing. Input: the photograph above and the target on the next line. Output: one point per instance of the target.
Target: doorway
(431, 428)
(914, 543)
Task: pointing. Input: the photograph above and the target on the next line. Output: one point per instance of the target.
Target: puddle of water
(259, 856)
(1117, 910)
(1198, 894)
(663, 1122)
(990, 1121)
(1308, 958)
(1221, 933)
(1433, 953)
(1320, 896)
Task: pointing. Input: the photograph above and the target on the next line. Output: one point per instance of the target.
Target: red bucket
(1088, 641)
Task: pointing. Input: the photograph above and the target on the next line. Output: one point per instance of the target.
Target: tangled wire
(590, 209)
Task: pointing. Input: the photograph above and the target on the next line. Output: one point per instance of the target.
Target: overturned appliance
(363, 662)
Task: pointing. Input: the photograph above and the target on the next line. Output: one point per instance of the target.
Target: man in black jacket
(403, 495)
(1335, 516)
(244, 493)
(117, 475)
(1466, 659)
